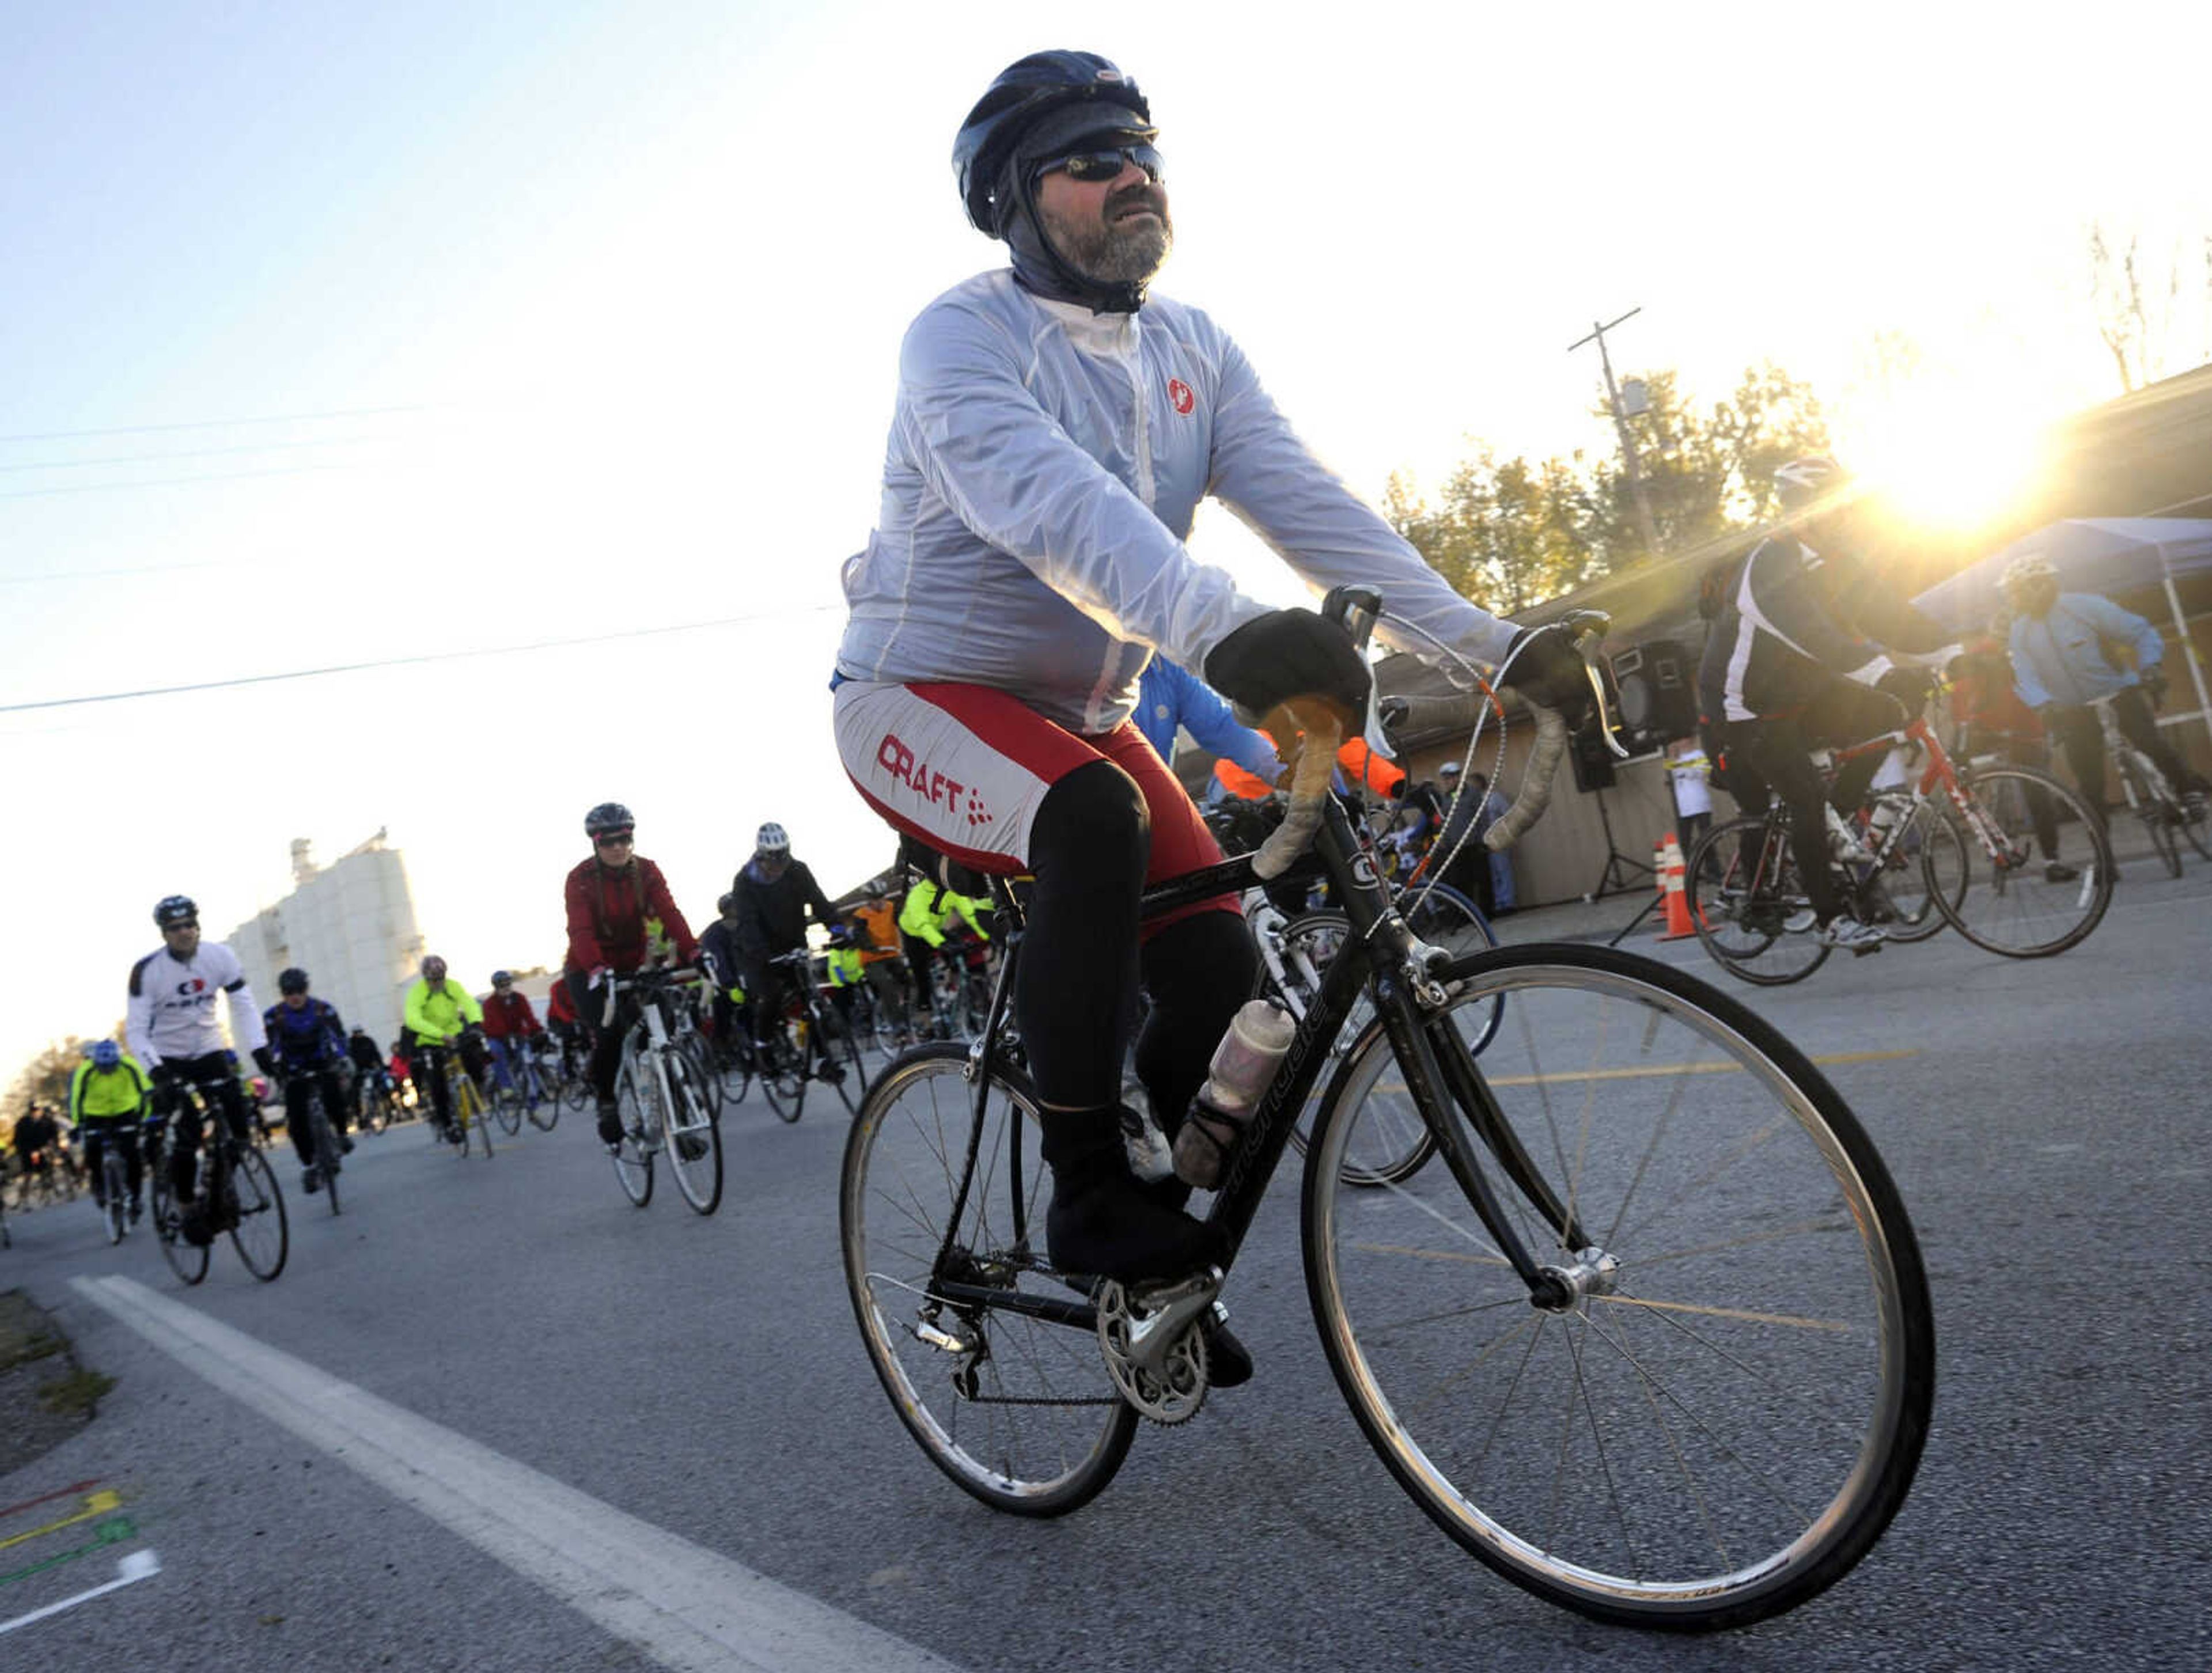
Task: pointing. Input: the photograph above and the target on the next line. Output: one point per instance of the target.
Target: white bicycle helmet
(1800, 482)
(2028, 567)
(771, 839)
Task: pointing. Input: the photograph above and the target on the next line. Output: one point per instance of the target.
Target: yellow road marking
(1646, 1070)
(95, 1504)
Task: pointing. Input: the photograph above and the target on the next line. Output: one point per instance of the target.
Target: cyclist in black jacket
(773, 893)
(1798, 616)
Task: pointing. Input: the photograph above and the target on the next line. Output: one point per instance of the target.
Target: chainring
(1172, 1398)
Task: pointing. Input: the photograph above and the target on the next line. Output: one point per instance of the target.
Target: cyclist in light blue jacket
(2058, 644)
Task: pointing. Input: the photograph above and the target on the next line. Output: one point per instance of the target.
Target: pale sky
(615, 294)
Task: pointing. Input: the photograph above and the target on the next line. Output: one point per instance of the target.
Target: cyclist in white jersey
(1054, 430)
(172, 1029)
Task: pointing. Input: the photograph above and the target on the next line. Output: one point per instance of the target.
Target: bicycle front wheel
(1922, 859)
(783, 1078)
(2008, 899)
(262, 1236)
(1309, 944)
(1744, 892)
(1722, 1401)
(694, 1136)
(852, 1078)
(989, 1360)
(544, 1108)
(188, 1261)
(328, 1162)
(633, 1157)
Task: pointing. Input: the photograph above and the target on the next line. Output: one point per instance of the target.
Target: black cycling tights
(1076, 994)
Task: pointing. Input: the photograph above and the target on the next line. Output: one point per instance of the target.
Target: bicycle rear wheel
(2195, 824)
(1723, 1404)
(114, 1192)
(1743, 888)
(1014, 1405)
(694, 1136)
(262, 1236)
(2004, 899)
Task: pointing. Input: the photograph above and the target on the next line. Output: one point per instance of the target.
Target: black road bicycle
(1655, 1342)
(810, 1042)
(234, 1189)
(322, 1140)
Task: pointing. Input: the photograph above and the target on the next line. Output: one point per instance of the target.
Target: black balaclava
(1038, 266)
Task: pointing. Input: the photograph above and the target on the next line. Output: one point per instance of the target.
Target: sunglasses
(1105, 165)
(616, 839)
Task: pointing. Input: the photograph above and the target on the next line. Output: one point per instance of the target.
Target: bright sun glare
(1950, 461)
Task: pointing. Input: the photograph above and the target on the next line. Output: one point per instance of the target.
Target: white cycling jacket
(1043, 467)
(172, 1009)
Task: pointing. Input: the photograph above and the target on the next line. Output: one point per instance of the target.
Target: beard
(1120, 247)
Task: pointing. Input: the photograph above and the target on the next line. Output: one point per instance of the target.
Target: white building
(350, 926)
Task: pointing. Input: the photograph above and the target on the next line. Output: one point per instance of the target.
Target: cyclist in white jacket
(171, 1025)
(1054, 430)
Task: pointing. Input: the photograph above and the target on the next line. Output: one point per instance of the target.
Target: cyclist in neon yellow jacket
(107, 1095)
(441, 1016)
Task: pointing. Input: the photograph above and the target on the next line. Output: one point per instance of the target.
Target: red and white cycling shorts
(965, 768)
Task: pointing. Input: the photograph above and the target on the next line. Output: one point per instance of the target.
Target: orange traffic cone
(1672, 873)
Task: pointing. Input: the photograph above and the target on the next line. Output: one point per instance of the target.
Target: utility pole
(1636, 488)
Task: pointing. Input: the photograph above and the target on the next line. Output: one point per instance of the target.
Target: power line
(413, 661)
(172, 481)
(223, 423)
(193, 453)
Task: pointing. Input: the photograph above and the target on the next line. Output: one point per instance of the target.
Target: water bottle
(1244, 1066)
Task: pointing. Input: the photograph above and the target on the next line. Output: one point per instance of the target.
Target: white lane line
(685, 1606)
(136, 1566)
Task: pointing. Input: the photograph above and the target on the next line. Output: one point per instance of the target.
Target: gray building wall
(350, 926)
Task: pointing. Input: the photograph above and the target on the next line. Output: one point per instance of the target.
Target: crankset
(1155, 1345)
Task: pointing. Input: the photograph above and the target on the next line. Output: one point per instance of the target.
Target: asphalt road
(551, 1355)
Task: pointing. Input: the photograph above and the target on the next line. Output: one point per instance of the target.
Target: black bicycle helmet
(502, 978)
(606, 817)
(293, 980)
(1024, 92)
(175, 909)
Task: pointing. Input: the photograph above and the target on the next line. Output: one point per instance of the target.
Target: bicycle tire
(2159, 825)
(115, 1190)
(545, 1110)
(262, 1234)
(188, 1261)
(852, 1085)
(506, 1105)
(784, 1084)
(2004, 902)
(1036, 1429)
(1738, 897)
(1757, 1224)
(471, 1111)
(692, 1124)
(2196, 828)
(633, 1156)
(328, 1163)
(701, 1057)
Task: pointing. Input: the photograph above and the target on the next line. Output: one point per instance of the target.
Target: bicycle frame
(2140, 779)
(1381, 954)
(1938, 775)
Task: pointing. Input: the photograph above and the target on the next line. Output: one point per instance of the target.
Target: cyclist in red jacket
(619, 903)
(510, 1022)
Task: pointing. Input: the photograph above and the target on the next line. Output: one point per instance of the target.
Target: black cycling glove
(1543, 665)
(1286, 654)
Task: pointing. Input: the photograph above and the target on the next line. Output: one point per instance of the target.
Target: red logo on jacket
(1179, 396)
